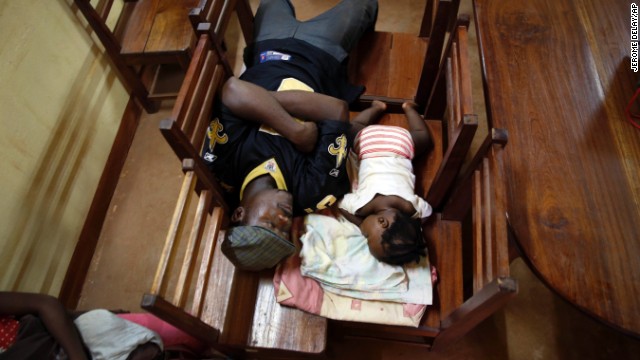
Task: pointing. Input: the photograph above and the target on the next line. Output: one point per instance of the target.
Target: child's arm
(417, 128)
(385, 202)
(253, 103)
(349, 216)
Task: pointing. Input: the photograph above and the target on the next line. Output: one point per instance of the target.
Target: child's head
(393, 237)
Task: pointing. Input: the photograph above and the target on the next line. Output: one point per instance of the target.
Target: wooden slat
(216, 39)
(213, 10)
(431, 87)
(369, 64)
(174, 228)
(480, 306)
(284, 328)
(177, 317)
(191, 252)
(203, 118)
(453, 101)
(189, 85)
(185, 150)
(456, 113)
(446, 11)
(406, 57)
(171, 32)
(206, 178)
(223, 18)
(103, 8)
(135, 38)
(476, 211)
(501, 241)
(428, 18)
(426, 165)
(453, 159)
(464, 70)
(458, 203)
(487, 231)
(445, 252)
(216, 222)
(461, 126)
(196, 101)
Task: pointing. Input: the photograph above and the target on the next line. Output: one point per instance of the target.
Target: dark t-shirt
(234, 147)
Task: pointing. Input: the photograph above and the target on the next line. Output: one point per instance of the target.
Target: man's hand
(306, 137)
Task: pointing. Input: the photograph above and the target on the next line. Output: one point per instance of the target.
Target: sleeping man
(272, 165)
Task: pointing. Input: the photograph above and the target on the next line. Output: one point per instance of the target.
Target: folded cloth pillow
(110, 337)
(304, 293)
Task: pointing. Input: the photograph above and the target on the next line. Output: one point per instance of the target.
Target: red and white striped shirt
(384, 141)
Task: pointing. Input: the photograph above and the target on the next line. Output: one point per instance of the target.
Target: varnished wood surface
(558, 78)
(159, 31)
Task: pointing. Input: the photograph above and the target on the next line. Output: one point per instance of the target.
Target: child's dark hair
(402, 241)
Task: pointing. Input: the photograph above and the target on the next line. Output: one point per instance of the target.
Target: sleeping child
(384, 204)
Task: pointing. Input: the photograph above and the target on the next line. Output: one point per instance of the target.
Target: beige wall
(60, 107)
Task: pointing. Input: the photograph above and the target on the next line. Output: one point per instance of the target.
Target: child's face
(372, 228)
(270, 209)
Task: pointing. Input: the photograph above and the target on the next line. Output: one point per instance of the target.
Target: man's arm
(53, 315)
(312, 106)
(253, 103)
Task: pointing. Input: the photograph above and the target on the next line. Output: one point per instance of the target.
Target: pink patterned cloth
(171, 336)
(294, 290)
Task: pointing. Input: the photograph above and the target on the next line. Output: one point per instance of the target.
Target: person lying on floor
(37, 326)
(384, 204)
(272, 166)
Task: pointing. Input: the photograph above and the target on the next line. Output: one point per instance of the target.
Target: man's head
(259, 238)
(393, 237)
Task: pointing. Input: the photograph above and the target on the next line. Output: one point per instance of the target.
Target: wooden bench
(405, 65)
(235, 312)
(150, 44)
(467, 234)
(196, 288)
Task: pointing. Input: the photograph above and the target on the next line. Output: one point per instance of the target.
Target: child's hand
(306, 137)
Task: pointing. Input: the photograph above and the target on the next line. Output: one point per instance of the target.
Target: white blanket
(109, 337)
(336, 254)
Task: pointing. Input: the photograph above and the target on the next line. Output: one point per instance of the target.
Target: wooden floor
(535, 325)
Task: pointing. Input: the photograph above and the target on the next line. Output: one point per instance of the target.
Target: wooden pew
(150, 44)
(196, 288)
(235, 312)
(406, 66)
(399, 67)
(467, 235)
